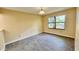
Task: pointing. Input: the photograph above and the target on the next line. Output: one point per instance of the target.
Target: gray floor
(43, 42)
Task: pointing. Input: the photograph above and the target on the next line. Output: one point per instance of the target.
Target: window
(60, 22)
(51, 22)
(57, 22)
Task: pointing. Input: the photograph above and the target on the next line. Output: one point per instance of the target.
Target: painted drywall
(77, 30)
(18, 24)
(69, 30)
(2, 45)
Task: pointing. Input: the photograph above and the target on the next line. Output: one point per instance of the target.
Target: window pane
(60, 25)
(60, 18)
(51, 25)
(51, 19)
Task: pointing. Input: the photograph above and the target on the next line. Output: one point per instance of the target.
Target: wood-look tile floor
(42, 42)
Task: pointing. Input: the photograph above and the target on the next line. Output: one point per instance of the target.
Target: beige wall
(77, 31)
(17, 24)
(69, 24)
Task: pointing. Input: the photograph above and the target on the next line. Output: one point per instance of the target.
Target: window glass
(60, 18)
(60, 25)
(51, 25)
(51, 19)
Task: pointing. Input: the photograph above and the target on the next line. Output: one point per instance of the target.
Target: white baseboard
(60, 35)
(18, 39)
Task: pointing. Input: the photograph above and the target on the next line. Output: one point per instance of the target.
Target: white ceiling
(35, 10)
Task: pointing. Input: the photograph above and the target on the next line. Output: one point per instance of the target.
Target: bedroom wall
(77, 30)
(19, 24)
(69, 30)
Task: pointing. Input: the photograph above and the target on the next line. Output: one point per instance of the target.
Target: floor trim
(58, 35)
(20, 39)
(31, 36)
